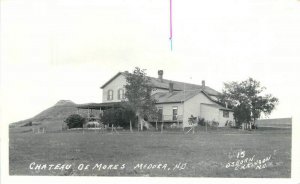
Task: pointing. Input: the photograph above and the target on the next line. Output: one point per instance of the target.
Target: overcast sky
(66, 49)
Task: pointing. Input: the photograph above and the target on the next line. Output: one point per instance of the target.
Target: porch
(95, 110)
(172, 121)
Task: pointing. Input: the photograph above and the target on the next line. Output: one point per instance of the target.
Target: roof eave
(168, 102)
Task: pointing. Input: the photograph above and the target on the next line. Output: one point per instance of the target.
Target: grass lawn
(205, 154)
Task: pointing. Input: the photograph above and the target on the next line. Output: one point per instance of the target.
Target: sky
(66, 49)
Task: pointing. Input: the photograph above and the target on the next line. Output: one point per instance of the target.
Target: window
(226, 114)
(110, 94)
(175, 113)
(121, 94)
(160, 113)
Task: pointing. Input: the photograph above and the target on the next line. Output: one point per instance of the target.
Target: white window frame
(121, 94)
(110, 96)
(176, 116)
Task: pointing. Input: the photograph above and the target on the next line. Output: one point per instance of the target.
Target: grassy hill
(52, 118)
(276, 123)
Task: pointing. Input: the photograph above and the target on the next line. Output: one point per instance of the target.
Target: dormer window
(110, 94)
(121, 94)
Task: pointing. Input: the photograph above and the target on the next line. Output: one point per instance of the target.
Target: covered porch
(95, 110)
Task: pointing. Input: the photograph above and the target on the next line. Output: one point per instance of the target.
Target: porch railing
(169, 118)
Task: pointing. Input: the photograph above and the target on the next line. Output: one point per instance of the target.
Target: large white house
(176, 101)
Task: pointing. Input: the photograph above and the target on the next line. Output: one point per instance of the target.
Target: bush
(92, 117)
(229, 123)
(253, 126)
(214, 123)
(75, 121)
(118, 117)
(91, 126)
(192, 120)
(201, 121)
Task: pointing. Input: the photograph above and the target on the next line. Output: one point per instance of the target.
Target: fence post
(162, 127)
(82, 128)
(156, 128)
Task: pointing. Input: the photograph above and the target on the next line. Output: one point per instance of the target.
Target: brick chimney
(203, 83)
(171, 87)
(160, 74)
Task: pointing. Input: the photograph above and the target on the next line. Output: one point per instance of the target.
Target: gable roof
(177, 86)
(113, 78)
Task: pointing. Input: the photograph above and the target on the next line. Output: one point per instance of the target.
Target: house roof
(177, 86)
(217, 106)
(113, 78)
(180, 86)
(174, 97)
(179, 96)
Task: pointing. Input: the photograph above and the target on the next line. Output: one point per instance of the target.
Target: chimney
(171, 87)
(160, 74)
(203, 83)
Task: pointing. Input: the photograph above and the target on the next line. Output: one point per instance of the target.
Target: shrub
(192, 120)
(91, 125)
(92, 117)
(214, 123)
(75, 121)
(229, 123)
(201, 121)
(118, 117)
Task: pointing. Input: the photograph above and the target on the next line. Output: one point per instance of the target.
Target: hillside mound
(51, 118)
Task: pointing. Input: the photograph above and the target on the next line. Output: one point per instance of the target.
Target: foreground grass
(205, 154)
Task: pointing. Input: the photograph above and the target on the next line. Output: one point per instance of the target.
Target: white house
(176, 101)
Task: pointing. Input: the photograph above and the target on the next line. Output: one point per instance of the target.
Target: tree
(118, 117)
(247, 100)
(75, 121)
(138, 94)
